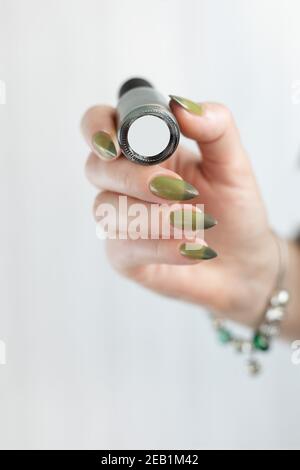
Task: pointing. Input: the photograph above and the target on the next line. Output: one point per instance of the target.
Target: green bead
(261, 342)
(224, 335)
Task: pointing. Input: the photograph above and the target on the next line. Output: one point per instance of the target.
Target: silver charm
(238, 345)
(274, 314)
(271, 330)
(254, 367)
(281, 299)
(217, 323)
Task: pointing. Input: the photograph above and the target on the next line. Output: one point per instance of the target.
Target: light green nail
(191, 220)
(172, 189)
(197, 251)
(189, 105)
(104, 145)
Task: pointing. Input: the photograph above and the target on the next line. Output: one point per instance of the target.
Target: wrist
(269, 324)
(258, 280)
(291, 324)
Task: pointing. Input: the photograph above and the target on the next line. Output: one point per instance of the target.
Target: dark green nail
(104, 145)
(197, 251)
(189, 105)
(192, 220)
(173, 189)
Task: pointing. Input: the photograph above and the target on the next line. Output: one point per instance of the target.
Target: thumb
(212, 126)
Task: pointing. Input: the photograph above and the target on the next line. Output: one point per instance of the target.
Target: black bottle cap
(133, 83)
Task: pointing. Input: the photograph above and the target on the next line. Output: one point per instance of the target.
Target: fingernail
(173, 189)
(189, 105)
(192, 220)
(104, 145)
(197, 251)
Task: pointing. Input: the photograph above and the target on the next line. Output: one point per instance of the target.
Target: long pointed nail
(192, 220)
(104, 145)
(189, 105)
(197, 251)
(173, 189)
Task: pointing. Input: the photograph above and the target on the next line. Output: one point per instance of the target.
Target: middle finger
(152, 184)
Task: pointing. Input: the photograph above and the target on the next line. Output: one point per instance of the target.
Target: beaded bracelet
(269, 327)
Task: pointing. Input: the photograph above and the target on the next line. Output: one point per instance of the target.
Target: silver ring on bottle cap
(153, 110)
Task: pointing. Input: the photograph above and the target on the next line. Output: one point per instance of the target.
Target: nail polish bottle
(148, 132)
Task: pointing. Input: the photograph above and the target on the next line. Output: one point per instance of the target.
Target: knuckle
(86, 117)
(117, 252)
(99, 199)
(225, 114)
(89, 168)
(157, 249)
(126, 179)
(145, 275)
(94, 111)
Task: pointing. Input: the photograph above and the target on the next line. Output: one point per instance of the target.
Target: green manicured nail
(191, 220)
(189, 105)
(104, 145)
(173, 189)
(197, 251)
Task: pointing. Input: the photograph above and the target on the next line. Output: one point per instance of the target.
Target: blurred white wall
(94, 361)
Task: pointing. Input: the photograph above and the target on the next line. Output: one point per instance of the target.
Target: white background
(94, 361)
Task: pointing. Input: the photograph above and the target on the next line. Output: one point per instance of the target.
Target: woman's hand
(239, 280)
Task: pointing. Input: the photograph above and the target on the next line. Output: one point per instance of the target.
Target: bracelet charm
(263, 335)
(270, 325)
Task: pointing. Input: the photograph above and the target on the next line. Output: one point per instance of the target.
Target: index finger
(99, 130)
